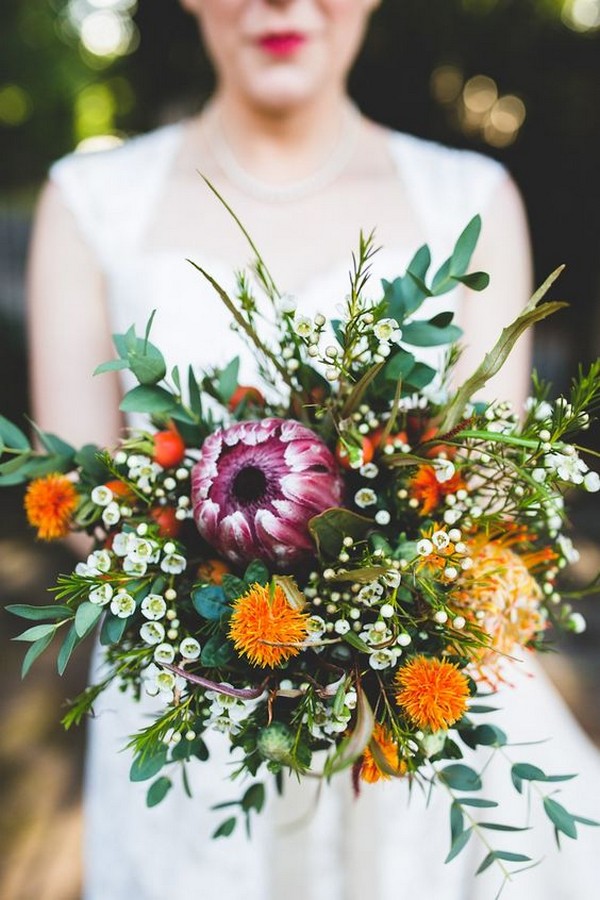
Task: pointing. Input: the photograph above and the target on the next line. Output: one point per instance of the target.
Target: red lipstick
(282, 44)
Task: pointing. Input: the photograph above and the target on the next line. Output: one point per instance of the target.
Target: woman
(304, 171)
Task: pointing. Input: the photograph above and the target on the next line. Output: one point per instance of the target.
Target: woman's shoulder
(121, 160)
(448, 184)
(116, 185)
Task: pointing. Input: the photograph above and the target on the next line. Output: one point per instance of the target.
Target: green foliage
(330, 527)
(158, 790)
(51, 613)
(257, 573)
(86, 618)
(460, 777)
(147, 766)
(210, 602)
(35, 650)
(217, 652)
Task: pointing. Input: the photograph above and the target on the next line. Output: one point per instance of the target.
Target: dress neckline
(399, 147)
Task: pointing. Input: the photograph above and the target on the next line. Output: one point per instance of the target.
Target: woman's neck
(280, 148)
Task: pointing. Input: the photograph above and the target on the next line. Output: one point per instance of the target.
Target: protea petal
(257, 485)
(311, 489)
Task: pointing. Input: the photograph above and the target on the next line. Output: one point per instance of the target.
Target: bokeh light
(15, 105)
(582, 15)
(105, 27)
(476, 106)
(95, 108)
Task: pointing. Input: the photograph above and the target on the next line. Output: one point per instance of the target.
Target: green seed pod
(275, 742)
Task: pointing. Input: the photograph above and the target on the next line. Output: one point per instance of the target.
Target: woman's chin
(283, 89)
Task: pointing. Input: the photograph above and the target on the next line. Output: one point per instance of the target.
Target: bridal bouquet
(329, 567)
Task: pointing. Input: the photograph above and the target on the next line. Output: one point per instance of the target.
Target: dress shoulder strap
(447, 187)
(112, 192)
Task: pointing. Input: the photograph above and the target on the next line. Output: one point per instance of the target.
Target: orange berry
(251, 395)
(212, 571)
(343, 458)
(169, 448)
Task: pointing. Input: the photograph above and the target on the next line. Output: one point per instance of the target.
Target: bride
(305, 171)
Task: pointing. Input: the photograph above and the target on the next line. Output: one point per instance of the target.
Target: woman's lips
(283, 44)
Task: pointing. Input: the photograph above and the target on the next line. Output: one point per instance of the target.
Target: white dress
(377, 847)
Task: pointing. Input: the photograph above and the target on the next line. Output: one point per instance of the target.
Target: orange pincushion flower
(50, 502)
(425, 487)
(264, 625)
(503, 598)
(433, 693)
(369, 770)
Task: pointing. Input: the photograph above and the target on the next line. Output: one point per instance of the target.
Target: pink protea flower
(257, 485)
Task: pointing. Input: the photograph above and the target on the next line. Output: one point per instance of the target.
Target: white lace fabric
(143, 210)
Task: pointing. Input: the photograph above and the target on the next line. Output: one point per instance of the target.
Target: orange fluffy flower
(499, 593)
(428, 491)
(265, 628)
(50, 502)
(369, 769)
(433, 693)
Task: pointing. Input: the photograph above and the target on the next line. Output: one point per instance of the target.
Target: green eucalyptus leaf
(560, 817)
(113, 629)
(51, 613)
(35, 650)
(420, 284)
(54, 444)
(465, 246)
(461, 778)
(457, 822)
(424, 334)
(442, 283)
(527, 772)
(158, 790)
(18, 477)
(459, 844)
(419, 376)
(35, 633)
(489, 736)
(478, 802)
(68, 645)
(228, 380)
(254, 798)
(194, 392)
(86, 617)
(399, 366)
(12, 436)
(225, 828)
(91, 463)
(476, 281)
(148, 369)
(148, 399)
(113, 365)
(145, 767)
(210, 602)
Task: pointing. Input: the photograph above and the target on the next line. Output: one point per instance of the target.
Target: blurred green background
(516, 79)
